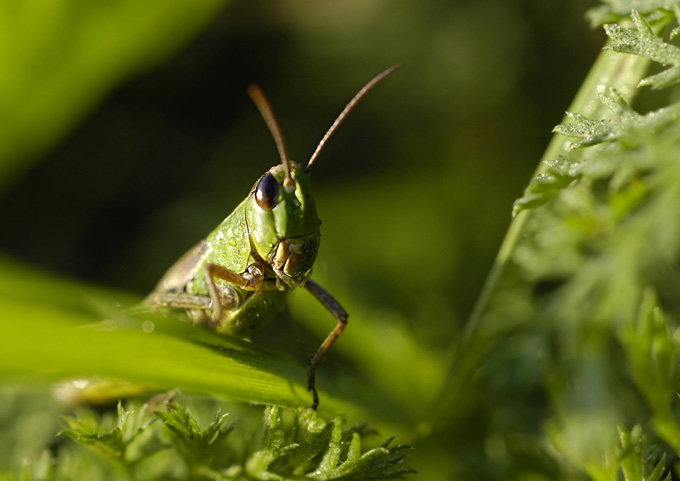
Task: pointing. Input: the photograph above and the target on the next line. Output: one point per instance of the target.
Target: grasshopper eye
(267, 192)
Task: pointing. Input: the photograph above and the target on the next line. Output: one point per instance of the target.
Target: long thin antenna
(348, 108)
(267, 113)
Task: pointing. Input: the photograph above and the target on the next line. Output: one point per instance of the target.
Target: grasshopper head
(283, 225)
(280, 211)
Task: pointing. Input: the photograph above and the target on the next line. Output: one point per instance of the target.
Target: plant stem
(497, 301)
(620, 71)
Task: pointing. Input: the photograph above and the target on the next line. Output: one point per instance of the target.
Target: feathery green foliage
(642, 41)
(600, 240)
(165, 441)
(637, 463)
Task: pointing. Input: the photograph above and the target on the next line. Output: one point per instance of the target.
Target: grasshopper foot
(311, 386)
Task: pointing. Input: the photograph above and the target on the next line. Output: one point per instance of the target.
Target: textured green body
(256, 310)
(283, 241)
(229, 246)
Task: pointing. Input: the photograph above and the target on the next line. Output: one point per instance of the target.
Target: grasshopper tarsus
(312, 387)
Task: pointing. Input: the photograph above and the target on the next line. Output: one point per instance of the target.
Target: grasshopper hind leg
(200, 307)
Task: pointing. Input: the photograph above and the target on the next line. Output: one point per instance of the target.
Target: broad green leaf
(47, 343)
(57, 330)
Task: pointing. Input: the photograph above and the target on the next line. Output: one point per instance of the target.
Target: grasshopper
(237, 278)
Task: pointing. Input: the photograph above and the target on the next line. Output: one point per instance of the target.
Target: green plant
(567, 369)
(290, 444)
(592, 242)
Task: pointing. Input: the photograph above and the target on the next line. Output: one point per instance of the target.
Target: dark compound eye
(267, 192)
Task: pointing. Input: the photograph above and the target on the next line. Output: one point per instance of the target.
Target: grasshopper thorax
(283, 224)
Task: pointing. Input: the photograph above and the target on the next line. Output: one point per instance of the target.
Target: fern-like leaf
(627, 123)
(89, 430)
(614, 11)
(293, 444)
(560, 172)
(637, 463)
(642, 41)
(628, 127)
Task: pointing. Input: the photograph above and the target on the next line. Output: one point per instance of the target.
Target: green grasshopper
(237, 278)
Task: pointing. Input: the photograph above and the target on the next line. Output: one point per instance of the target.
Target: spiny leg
(340, 315)
(229, 299)
(179, 300)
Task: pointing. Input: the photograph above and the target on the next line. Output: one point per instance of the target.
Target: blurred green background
(128, 135)
(415, 190)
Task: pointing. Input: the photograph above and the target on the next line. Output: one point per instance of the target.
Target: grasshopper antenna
(348, 108)
(265, 108)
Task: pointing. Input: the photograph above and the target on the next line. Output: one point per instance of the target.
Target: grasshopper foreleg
(340, 315)
(250, 280)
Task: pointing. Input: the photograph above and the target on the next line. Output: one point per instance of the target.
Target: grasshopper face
(283, 224)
